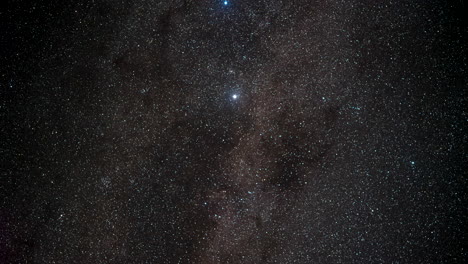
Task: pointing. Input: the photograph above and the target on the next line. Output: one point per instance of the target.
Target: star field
(233, 132)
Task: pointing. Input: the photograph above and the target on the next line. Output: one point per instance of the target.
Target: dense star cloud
(233, 132)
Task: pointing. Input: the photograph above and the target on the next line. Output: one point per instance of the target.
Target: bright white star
(235, 96)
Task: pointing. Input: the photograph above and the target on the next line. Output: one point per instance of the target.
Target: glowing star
(225, 2)
(235, 96)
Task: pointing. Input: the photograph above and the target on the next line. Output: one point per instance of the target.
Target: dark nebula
(233, 131)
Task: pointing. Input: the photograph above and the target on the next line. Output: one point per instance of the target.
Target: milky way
(233, 132)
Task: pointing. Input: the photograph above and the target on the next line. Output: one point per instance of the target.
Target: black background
(121, 141)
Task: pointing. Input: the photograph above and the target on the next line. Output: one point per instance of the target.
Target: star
(235, 96)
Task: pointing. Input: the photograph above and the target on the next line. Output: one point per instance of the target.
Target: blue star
(225, 2)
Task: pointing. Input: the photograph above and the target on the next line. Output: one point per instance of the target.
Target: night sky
(234, 131)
